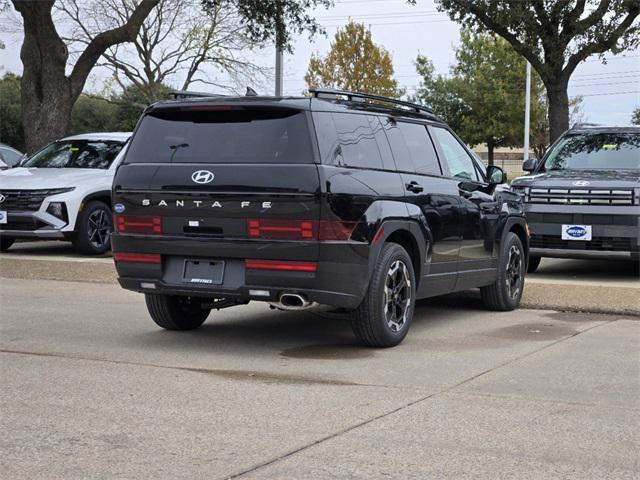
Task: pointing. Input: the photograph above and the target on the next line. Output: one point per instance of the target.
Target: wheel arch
(103, 196)
(407, 234)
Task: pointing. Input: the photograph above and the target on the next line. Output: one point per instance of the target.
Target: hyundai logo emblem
(2, 198)
(581, 183)
(202, 176)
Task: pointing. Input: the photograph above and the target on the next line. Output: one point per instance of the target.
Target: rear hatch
(220, 178)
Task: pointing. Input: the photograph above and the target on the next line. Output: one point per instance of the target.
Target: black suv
(359, 203)
(583, 198)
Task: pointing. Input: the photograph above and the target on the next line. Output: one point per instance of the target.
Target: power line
(396, 23)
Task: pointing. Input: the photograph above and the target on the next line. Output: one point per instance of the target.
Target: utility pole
(279, 42)
(278, 67)
(527, 112)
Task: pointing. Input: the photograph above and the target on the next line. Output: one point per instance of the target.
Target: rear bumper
(341, 279)
(242, 294)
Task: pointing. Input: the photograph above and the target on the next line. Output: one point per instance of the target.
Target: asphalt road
(92, 389)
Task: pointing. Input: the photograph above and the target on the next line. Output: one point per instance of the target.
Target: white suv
(63, 192)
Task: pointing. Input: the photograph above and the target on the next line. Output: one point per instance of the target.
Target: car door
(434, 195)
(479, 210)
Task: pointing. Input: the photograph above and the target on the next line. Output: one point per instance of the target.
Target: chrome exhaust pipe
(293, 301)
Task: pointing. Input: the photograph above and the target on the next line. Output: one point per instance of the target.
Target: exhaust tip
(293, 300)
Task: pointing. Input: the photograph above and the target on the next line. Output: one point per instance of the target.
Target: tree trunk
(45, 90)
(490, 153)
(48, 94)
(558, 109)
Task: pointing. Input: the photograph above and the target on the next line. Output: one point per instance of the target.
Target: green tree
(92, 114)
(130, 105)
(11, 131)
(555, 36)
(484, 97)
(276, 20)
(635, 116)
(354, 63)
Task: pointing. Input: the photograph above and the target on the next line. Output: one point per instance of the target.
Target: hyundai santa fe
(350, 202)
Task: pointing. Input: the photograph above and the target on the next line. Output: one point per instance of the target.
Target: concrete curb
(621, 297)
(583, 296)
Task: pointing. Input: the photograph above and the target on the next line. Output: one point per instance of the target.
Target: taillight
(276, 229)
(287, 265)
(138, 224)
(282, 229)
(137, 257)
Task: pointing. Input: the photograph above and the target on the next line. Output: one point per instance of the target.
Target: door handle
(414, 187)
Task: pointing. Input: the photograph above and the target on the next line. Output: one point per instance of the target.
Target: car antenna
(251, 92)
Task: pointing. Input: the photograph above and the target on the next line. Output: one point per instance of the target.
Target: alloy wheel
(397, 296)
(100, 227)
(514, 271)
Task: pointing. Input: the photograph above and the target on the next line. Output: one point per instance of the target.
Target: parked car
(583, 198)
(9, 157)
(63, 192)
(336, 200)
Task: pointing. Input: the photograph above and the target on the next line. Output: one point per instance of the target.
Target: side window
(401, 153)
(382, 142)
(421, 149)
(456, 157)
(348, 140)
(10, 157)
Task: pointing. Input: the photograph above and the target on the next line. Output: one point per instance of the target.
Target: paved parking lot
(92, 389)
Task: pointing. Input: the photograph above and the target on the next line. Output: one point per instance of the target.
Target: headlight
(59, 210)
(522, 191)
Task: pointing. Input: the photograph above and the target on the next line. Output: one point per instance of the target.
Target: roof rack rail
(178, 94)
(318, 92)
(585, 125)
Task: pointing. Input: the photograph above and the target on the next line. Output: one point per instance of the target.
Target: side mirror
(496, 175)
(529, 165)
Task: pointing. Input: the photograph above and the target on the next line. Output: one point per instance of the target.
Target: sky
(610, 92)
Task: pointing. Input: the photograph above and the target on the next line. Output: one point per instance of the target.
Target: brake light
(281, 265)
(138, 224)
(137, 257)
(207, 108)
(276, 229)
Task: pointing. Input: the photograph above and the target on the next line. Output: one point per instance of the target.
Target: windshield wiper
(175, 149)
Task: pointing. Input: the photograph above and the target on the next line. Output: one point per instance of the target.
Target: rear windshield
(601, 151)
(222, 136)
(76, 154)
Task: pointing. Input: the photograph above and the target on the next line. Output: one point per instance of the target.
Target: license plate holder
(203, 272)
(580, 233)
(3, 217)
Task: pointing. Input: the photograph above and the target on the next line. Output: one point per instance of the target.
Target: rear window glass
(348, 140)
(224, 136)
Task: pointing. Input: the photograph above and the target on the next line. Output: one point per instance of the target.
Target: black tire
(5, 243)
(505, 294)
(93, 229)
(534, 263)
(372, 324)
(174, 312)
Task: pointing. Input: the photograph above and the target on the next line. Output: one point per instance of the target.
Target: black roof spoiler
(356, 96)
